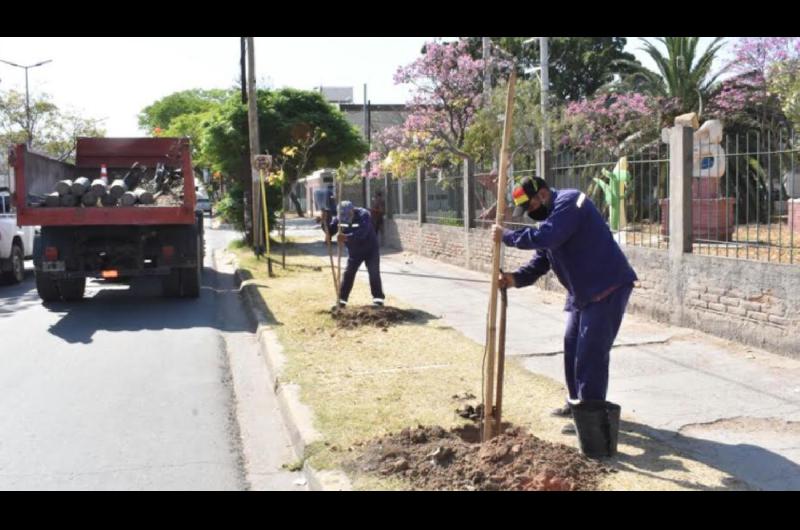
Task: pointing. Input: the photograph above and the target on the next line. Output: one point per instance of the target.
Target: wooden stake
(489, 425)
(501, 360)
(266, 219)
(339, 245)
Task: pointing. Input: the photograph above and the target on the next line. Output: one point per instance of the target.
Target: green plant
(230, 209)
(613, 190)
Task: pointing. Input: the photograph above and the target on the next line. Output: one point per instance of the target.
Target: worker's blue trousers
(372, 257)
(587, 344)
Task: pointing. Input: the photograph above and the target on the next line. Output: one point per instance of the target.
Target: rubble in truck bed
(431, 458)
(137, 186)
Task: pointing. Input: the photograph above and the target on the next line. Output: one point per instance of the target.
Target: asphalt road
(127, 390)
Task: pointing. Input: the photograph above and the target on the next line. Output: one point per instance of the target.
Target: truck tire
(192, 278)
(47, 288)
(72, 290)
(17, 272)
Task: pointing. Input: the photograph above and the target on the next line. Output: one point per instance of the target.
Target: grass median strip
(365, 382)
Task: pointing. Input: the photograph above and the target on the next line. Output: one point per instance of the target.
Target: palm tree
(681, 73)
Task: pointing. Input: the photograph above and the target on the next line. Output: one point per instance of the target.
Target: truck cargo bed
(37, 174)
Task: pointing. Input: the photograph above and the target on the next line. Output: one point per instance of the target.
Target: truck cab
(16, 243)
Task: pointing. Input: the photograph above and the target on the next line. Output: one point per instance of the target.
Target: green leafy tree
(161, 114)
(53, 131)
(578, 66)
(287, 119)
(484, 136)
(683, 72)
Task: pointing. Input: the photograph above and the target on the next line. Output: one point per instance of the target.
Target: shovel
(330, 255)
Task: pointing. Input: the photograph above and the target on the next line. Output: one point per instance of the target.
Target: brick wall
(751, 302)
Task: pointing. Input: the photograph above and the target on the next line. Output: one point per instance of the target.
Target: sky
(114, 78)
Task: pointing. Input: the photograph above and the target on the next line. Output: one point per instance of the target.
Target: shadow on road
(754, 467)
(142, 307)
(15, 298)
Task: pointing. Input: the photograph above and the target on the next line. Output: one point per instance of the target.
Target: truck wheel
(72, 290)
(47, 288)
(190, 282)
(191, 278)
(17, 272)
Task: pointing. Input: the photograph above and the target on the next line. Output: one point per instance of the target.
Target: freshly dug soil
(382, 317)
(431, 458)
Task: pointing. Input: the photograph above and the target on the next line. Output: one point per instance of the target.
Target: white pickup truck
(16, 243)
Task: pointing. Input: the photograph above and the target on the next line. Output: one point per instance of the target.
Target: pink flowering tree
(756, 106)
(766, 71)
(447, 93)
(606, 121)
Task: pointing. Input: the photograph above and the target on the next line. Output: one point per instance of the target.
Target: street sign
(262, 162)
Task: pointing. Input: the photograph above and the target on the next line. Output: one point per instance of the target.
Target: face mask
(539, 214)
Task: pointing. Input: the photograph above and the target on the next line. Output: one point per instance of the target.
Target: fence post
(387, 185)
(400, 194)
(681, 144)
(365, 191)
(545, 163)
(469, 208)
(680, 190)
(422, 202)
(469, 194)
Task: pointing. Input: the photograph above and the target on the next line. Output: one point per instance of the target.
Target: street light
(544, 83)
(27, 97)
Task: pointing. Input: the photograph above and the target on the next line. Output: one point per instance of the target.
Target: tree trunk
(296, 203)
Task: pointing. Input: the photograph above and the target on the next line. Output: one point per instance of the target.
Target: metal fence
(745, 193)
(353, 192)
(646, 185)
(634, 209)
(403, 200)
(742, 197)
(444, 196)
(485, 199)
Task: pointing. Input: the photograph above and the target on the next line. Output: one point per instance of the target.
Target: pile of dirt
(431, 458)
(382, 317)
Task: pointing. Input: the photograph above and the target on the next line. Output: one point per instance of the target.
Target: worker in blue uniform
(359, 236)
(574, 242)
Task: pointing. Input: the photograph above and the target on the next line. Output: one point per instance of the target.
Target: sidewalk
(732, 407)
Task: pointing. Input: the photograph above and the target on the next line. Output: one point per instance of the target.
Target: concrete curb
(297, 416)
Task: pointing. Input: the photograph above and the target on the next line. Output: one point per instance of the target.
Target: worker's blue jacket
(361, 238)
(578, 245)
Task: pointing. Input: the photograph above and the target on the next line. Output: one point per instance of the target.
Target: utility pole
(365, 180)
(28, 122)
(487, 69)
(242, 61)
(252, 117)
(544, 52)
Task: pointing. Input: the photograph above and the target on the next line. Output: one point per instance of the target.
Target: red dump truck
(111, 241)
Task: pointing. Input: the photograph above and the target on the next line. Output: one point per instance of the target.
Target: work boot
(569, 428)
(562, 412)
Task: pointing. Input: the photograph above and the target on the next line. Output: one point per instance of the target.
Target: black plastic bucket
(597, 423)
